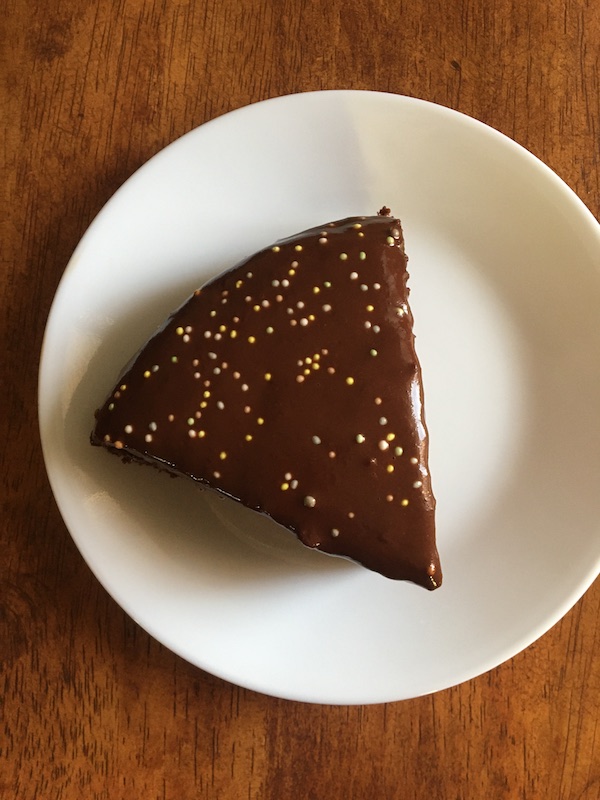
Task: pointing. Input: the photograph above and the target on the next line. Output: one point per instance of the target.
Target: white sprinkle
(383, 445)
(376, 328)
(326, 307)
(414, 460)
(360, 438)
(275, 283)
(417, 484)
(383, 420)
(217, 370)
(310, 502)
(207, 334)
(288, 476)
(148, 437)
(316, 440)
(128, 429)
(220, 405)
(294, 484)
(304, 321)
(364, 287)
(353, 276)
(285, 283)
(153, 426)
(368, 324)
(335, 532)
(212, 355)
(244, 387)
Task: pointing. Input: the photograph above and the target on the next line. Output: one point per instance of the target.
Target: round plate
(505, 293)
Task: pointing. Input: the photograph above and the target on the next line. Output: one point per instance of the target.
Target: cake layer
(291, 384)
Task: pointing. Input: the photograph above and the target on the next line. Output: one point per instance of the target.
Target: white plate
(505, 280)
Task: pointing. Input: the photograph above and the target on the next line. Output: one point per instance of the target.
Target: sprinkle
(123, 386)
(357, 226)
(404, 502)
(238, 284)
(417, 484)
(390, 467)
(201, 434)
(383, 445)
(119, 445)
(171, 417)
(362, 255)
(147, 373)
(378, 401)
(376, 328)
(304, 322)
(248, 274)
(285, 283)
(190, 421)
(153, 426)
(248, 437)
(276, 249)
(331, 370)
(316, 440)
(377, 286)
(233, 334)
(216, 474)
(294, 484)
(383, 420)
(373, 352)
(174, 359)
(298, 248)
(316, 290)
(111, 406)
(192, 433)
(364, 287)
(368, 324)
(260, 421)
(179, 331)
(335, 532)
(327, 284)
(265, 304)
(236, 375)
(326, 307)
(389, 498)
(222, 455)
(351, 515)
(390, 437)
(370, 308)
(309, 501)
(220, 405)
(256, 308)
(360, 438)
(343, 256)
(353, 276)
(270, 329)
(128, 429)
(212, 355)
(147, 437)
(217, 371)
(285, 486)
(288, 476)
(331, 454)
(244, 387)
(251, 339)
(275, 283)
(294, 264)
(414, 460)
(268, 376)
(390, 240)
(218, 337)
(247, 409)
(323, 240)
(350, 381)
(299, 378)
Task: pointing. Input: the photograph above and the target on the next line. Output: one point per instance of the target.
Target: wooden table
(91, 706)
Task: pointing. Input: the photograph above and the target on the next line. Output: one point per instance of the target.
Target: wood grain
(91, 706)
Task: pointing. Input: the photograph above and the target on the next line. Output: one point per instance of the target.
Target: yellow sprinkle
(213, 313)
(179, 331)
(233, 334)
(370, 308)
(238, 284)
(268, 376)
(201, 434)
(311, 317)
(291, 272)
(248, 437)
(298, 248)
(316, 290)
(251, 339)
(260, 421)
(285, 487)
(343, 256)
(404, 502)
(147, 373)
(276, 249)
(390, 467)
(256, 308)
(357, 225)
(222, 455)
(349, 381)
(206, 393)
(307, 372)
(390, 437)
(222, 328)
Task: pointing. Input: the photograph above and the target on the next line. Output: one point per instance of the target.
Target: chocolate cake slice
(291, 384)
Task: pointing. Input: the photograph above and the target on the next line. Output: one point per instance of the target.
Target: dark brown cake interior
(291, 384)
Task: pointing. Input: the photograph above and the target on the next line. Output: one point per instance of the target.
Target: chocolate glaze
(291, 384)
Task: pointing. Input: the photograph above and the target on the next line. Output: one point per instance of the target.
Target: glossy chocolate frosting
(291, 384)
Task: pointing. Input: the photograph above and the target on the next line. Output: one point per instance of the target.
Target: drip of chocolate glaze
(291, 383)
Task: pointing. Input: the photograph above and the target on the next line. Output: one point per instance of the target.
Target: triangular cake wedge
(291, 383)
